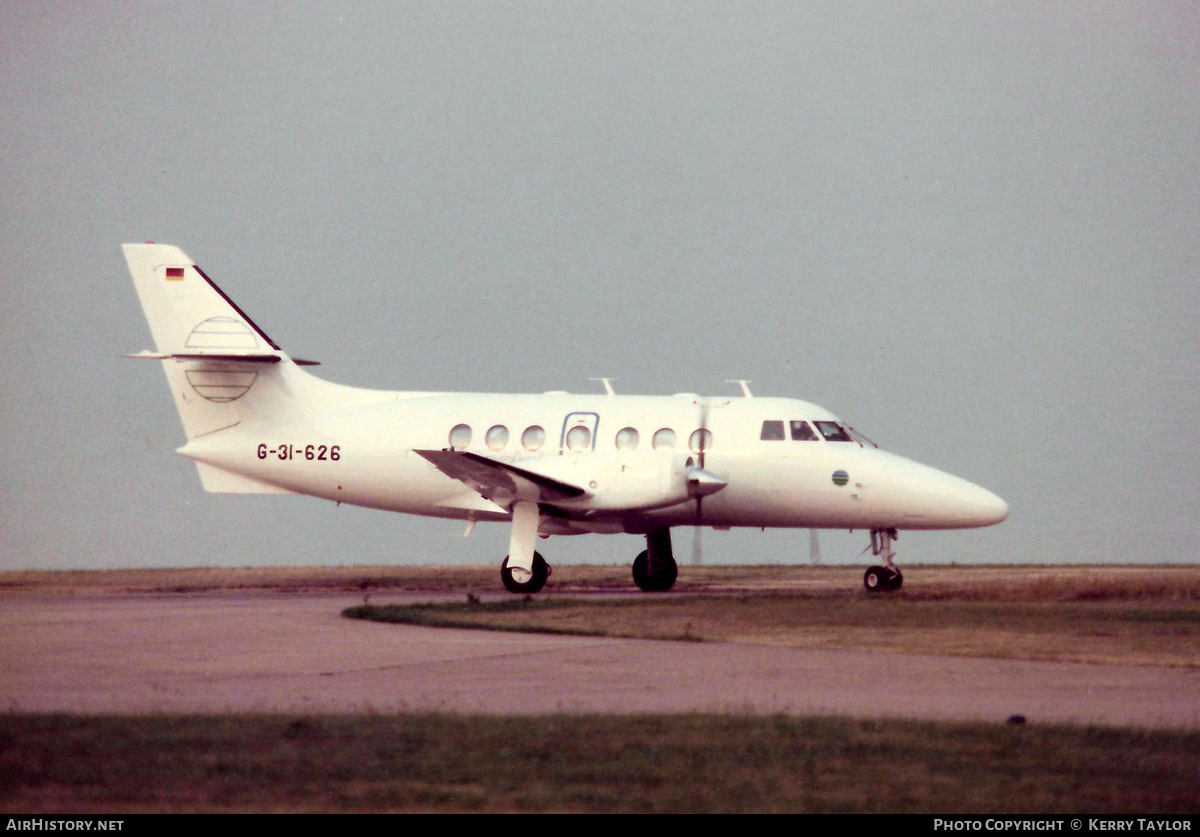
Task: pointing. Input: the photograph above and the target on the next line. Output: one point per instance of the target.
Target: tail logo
(222, 333)
(220, 383)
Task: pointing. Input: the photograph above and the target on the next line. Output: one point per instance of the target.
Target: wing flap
(500, 481)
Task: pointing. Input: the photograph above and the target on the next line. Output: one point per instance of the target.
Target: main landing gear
(885, 578)
(655, 570)
(518, 580)
(524, 570)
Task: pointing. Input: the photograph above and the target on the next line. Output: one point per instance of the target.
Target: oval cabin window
(701, 440)
(460, 437)
(533, 438)
(497, 437)
(578, 439)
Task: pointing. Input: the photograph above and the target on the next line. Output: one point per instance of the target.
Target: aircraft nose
(984, 507)
(953, 502)
(927, 498)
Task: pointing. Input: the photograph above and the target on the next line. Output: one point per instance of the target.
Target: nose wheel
(885, 578)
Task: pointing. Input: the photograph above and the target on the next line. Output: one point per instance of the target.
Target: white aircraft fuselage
(553, 464)
(770, 482)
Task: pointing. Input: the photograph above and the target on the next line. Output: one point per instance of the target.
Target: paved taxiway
(268, 652)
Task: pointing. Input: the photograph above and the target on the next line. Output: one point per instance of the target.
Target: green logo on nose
(840, 478)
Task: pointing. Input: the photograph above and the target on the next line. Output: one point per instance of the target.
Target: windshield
(832, 431)
(860, 437)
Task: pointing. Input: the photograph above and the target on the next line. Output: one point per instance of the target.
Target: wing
(500, 482)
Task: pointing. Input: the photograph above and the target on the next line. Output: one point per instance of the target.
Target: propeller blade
(700, 484)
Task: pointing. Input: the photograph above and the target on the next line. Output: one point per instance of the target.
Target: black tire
(897, 579)
(541, 572)
(661, 580)
(876, 580)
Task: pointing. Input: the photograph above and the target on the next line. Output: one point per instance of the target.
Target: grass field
(1008, 582)
(1112, 615)
(67, 764)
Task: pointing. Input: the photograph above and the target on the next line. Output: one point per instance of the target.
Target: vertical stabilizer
(188, 313)
(222, 368)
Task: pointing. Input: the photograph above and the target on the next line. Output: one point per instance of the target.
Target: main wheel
(882, 579)
(517, 580)
(876, 580)
(660, 580)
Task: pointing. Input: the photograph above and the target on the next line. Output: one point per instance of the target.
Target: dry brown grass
(1056, 584)
(1029, 583)
(266, 579)
(580, 763)
(1118, 615)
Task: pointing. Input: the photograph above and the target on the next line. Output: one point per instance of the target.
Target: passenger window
(772, 431)
(832, 432)
(627, 439)
(497, 437)
(579, 438)
(460, 437)
(801, 432)
(700, 440)
(664, 439)
(533, 438)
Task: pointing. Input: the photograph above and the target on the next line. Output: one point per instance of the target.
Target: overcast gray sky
(970, 229)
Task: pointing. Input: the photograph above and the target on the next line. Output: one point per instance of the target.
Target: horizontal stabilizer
(501, 480)
(225, 356)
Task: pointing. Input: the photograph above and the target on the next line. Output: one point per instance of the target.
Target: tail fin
(189, 315)
(223, 370)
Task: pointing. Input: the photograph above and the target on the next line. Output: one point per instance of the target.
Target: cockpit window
(772, 431)
(801, 432)
(860, 437)
(832, 431)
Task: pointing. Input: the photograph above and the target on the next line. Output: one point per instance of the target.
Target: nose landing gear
(885, 578)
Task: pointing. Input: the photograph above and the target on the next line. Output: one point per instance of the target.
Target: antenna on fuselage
(608, 388)
(744, 384)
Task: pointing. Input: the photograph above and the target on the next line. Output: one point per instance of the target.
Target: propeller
(701, 482)
(697, 541)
